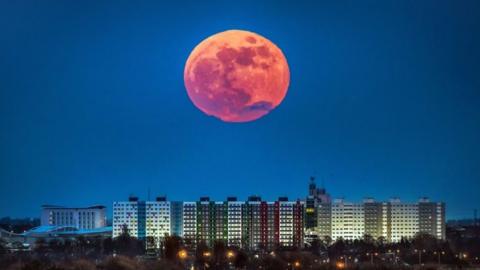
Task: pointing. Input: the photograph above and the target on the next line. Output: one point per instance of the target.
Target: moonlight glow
(236, 76)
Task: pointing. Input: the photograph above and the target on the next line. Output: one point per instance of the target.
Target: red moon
(236, 76)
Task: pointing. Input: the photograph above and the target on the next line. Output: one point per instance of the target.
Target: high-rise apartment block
(316, 196)
(253, 224)
(392, 220)
(129, 217)
(259, 224)
(347, 220)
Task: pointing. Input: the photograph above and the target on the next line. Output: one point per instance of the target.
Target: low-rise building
(78, 217)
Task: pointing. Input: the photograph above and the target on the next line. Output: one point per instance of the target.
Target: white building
(80, 218)
(392, 220)
(234, 220)
(190, 223)
(402, 220)
(347, 220)
(129, 217)
(286, 222)
(150, 219)
(157, 219)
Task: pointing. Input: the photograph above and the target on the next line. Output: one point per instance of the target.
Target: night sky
(384, 101)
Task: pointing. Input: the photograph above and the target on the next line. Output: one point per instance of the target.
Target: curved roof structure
(65, 230)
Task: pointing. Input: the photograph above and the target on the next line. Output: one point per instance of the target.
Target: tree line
(126, 252)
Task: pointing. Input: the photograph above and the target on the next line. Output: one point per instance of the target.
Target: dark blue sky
(384, 101)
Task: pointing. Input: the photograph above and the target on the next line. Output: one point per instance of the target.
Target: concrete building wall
(80, 218)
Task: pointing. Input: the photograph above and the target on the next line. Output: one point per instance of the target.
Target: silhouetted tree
(337, 249)
(124, 244)
(327, 240)
(119, 263)
(80, 264)
(424, 241)
(3, 247)
(108, 246)
(271, 263)
(368, 239)
(172, 245)
(55, 246)
(81, 245)
(241, 259)
(40, 246)
(220, 254)
(200, 258)
(315, 246)
(381, 243)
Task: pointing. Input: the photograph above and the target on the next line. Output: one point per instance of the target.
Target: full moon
(236, 76)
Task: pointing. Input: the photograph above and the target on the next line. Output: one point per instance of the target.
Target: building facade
(80, 218)
(347, 220)
(373, 218)
(316, 196)
(432, 218)
(157, 220)
(234, 222)
(392, 220)
(258, 224)
(190, 224)
(253, 224)
(129, 217)
(176, 222)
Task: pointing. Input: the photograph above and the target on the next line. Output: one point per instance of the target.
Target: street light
(182, 254)
(419, 255)
(371, 256)
(439, 255)
(296, 264)
(230, 254)
(207, 254)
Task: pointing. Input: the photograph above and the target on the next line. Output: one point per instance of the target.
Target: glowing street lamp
(230, 254)
(297, 264)
(419, 255)
(182, 254)
(207, 254)
(371, 254)
(439, 255)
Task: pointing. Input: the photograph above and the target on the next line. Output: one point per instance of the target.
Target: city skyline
(319, 190)
(383, 102)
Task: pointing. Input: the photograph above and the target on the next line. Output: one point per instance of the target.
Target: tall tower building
(347, 220)
(205, 221)
(129, 217)
(234, 222)
(176, 218)
(324, 217)
(253, 220)
(402, 220)
(190, 224)
(373, 218)
(315, 197)
(431, 218)
(157, 220)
